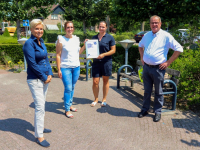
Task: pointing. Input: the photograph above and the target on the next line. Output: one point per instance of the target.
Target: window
(54, 17)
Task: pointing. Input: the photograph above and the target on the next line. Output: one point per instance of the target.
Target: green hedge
(120, 37)
(188, 63)
(119, 56)
(13, 50)
(16, 53)
(52, 37)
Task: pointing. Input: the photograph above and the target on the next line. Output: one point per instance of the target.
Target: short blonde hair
(35, 22)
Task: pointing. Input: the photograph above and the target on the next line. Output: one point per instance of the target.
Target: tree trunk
(108, 23)
(142, 26)
(18, 29)
(84, 30)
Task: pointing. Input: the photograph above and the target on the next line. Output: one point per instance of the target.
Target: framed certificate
(92, 48)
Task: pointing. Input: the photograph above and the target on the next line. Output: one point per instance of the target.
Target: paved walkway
(93, 128)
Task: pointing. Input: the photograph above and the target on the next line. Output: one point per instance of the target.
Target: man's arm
(164, 65)
(141, 50)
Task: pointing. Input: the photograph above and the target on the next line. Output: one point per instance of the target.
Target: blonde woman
(39, 75)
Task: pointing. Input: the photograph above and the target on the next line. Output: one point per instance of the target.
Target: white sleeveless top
(70, 51)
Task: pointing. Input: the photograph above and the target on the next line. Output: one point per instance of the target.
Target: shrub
(52, 36)
(44, 37)
(124, 36)
(5, 58)
(15, 34)
(130, 34)
(59, 25)
(120, 37)
(16, 53)
(6, 33)
(189, 82)
(119, 57)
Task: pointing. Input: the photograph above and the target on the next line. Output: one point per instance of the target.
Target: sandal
(93, 104)
(103, 104)
(73, 109)
(69, 116)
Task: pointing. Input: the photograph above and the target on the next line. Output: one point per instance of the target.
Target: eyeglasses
(156, 23)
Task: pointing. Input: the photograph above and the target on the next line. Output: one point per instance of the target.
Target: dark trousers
(152, 76)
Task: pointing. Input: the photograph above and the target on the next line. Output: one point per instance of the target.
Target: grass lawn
(8, 40)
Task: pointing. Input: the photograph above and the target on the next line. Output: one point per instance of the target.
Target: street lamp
(61, 23)
(126, 45)
(22, 42)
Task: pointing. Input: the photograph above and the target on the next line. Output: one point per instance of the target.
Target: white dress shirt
(156, 46)
(70, 51)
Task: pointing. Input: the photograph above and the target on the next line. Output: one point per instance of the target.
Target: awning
(52, 27)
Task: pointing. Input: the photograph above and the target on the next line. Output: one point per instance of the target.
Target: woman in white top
(68, 64)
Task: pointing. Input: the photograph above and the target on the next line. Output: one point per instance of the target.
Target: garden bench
(85, 63)
(171, 83)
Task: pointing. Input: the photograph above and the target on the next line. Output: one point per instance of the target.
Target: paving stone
(115, 126)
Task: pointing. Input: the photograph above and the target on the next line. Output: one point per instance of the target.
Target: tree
(18, 10)
(86, 11)
(6, 33)
(141, 10)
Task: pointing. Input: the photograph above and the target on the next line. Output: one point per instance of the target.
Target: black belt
(152, 66)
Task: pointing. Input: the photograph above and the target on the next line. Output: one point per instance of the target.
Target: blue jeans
(69, 78)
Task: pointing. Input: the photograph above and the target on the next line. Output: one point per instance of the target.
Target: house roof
(54, 6)
(57, 9)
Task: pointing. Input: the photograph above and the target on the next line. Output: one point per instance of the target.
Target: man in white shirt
(153, 49)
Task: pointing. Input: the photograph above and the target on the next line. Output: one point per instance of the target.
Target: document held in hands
(92, 49)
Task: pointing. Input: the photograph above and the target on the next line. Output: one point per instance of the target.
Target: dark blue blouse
(104, 46)
(37, 60)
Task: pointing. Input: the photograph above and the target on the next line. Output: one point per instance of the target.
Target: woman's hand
(101, 56)
(85, 41)
(50, 76)
(60, 74)
(48, 79)
(83, 47)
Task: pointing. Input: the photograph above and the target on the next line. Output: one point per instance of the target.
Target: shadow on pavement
(194, 143)
(191, 124)
(117, 111)
(137, 99)
(18, 126)
(57, 107)
(51, 107)
(77, 101)
(129, 94)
